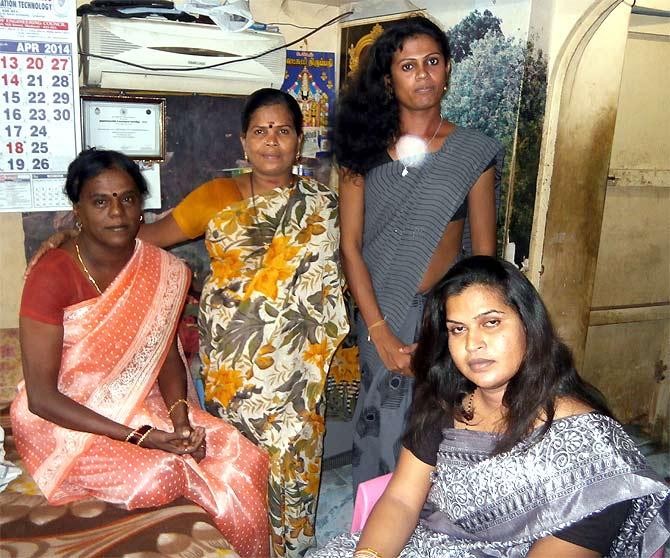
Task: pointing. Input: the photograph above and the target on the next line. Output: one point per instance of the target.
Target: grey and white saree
(498, 506)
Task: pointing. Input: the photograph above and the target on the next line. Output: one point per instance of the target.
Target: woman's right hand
(173, 442)
(395, 355)
(54, 241)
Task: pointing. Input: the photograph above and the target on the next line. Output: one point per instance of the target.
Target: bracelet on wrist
(174, 405)
(366, 552)
(374, 325)
(139, 442)
(137, 435)
(131, 435)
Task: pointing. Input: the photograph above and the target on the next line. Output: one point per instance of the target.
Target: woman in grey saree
(417, 192)
(516, 454)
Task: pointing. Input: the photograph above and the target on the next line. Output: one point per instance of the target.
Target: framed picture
(356, 39)
(132, 125)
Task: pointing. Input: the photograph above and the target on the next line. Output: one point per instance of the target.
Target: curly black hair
(366, 118)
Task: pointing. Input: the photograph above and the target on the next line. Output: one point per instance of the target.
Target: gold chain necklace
(408, 164)
(86, 271)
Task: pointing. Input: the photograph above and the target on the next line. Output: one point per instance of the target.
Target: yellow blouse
(196, 210)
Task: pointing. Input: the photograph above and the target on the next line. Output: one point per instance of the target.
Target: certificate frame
(133, 125)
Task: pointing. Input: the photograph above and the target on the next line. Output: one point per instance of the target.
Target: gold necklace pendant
(86, 271)
(470, 408)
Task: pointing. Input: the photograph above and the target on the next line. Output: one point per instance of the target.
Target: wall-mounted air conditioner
(172, 47)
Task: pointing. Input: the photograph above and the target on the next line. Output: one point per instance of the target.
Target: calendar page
(39, 108)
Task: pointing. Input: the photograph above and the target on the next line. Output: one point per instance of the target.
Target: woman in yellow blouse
(271, 310)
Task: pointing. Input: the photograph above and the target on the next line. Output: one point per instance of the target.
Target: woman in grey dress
(516, 455)
(416, 193)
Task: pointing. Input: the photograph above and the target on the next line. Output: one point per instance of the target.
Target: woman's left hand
(192, 440)
(407, 350)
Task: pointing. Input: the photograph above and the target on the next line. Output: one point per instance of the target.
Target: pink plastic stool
(366, 497)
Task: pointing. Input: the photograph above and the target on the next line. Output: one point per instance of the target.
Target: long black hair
(366, 116)
(266, 97)
(92, 162)
(546, 372)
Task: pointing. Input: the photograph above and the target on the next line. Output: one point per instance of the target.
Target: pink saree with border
(114, 346)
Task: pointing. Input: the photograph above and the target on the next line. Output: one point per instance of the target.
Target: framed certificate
(132, 125)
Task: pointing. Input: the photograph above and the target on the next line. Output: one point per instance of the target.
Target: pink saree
(113, 348)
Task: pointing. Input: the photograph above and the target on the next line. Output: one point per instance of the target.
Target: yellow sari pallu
(271, 317)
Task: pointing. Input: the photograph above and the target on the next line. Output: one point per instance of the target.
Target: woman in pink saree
(106, 409)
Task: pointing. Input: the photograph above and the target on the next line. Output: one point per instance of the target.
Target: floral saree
(114, 347)
(271, 316)
(499, 505)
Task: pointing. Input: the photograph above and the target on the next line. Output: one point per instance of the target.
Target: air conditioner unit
(170, 48)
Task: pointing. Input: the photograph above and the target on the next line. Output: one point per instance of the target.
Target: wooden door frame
(574, 160)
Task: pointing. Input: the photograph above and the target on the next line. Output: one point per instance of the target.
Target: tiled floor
(336, 498)
(336, 504)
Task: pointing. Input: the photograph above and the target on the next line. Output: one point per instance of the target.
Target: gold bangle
(376, 324)
(177, 402)
(366, 552)
(139, 442)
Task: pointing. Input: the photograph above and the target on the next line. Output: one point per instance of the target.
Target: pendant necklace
(86, 271)
(469, 408)
(417, 152)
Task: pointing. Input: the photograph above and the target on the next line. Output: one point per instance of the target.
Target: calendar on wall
(39, 103)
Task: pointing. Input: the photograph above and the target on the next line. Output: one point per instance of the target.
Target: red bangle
(138, 434)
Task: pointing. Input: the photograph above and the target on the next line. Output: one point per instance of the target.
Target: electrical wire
(227, 62)
(286, 24)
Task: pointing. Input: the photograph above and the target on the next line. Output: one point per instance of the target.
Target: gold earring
(141, 218)
(77, 225)
(246, 157)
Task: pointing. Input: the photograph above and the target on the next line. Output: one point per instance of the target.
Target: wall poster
(39, 109)
(310, 78)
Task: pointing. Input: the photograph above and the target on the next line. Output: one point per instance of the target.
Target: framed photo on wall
(132, 125)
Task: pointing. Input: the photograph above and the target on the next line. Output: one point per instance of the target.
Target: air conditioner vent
(109, 44)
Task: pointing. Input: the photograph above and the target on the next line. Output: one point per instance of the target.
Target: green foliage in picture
(470, 29)
(498, 86)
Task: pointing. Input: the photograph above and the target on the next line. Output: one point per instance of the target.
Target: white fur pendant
(404, 172)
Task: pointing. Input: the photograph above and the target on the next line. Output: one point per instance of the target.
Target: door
(628, 341)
